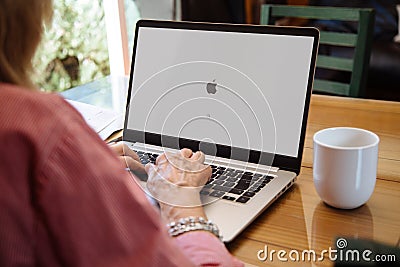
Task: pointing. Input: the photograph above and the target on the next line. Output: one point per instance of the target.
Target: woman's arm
(95, 214)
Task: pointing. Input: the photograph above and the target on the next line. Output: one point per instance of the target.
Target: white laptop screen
(238, 89)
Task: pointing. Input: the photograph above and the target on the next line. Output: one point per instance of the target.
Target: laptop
(238, 93)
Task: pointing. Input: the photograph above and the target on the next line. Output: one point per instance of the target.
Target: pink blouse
(65, 199)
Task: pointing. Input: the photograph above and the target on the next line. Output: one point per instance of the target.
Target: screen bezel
(258, 157)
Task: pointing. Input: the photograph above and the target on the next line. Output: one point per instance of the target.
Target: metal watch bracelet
(193, 224)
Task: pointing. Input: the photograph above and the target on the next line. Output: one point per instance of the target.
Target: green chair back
(360, 41)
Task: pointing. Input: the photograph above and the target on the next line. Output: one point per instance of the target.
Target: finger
(186, 152)
(122, 149)
(209, 172)
(133, 165)
(149, 168)
(199, 156)
(116, 147)
(129, 152)
(207, 175)
(161, 158)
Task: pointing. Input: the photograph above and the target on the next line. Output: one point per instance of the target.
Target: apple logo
(211, 87)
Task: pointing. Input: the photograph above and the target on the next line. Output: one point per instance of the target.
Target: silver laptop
(239, 93)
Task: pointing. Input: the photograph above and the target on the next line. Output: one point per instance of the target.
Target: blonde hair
(21, 28)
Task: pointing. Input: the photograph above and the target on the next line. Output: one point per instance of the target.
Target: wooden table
(300, 221)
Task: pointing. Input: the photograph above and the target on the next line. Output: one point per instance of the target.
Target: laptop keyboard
(226, 183)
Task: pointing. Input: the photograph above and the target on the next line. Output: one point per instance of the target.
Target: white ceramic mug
(345, 165)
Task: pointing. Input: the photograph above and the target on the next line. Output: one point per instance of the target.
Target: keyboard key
(254, 189)
(218, 171)
(221, 177)
(218, 182)
(229, 184)
(222, 188)
(230, 174)
(231, 180)
(204, 192)
(146, 157)
(249, 194)
(265, 182)
(242, 199)
(213, 175)
(236, 191)
(249, 173)
(217, 194)
(246, 177)
(243, 184)
(229, 198)
(255, 181)
(257, 184)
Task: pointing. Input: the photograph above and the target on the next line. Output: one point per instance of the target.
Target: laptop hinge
(228, 163)
(240, 165)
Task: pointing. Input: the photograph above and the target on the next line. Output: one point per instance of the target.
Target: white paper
(102, 121)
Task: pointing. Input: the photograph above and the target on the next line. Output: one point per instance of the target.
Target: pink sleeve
(204, 249)
(102, 216)
(66, 200)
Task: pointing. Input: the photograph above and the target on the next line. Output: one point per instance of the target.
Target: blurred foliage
(74, 49)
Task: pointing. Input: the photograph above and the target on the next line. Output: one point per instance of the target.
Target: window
(74, 48)
(90, 39)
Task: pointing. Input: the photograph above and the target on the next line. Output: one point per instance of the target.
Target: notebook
(239, 93)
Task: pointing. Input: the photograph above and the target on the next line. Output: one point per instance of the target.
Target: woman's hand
(176, 180)
(184, 168)
(128, 157)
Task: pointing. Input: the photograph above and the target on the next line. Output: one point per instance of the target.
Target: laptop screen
(238, 89)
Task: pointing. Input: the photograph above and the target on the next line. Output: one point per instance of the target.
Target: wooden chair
(360, 41)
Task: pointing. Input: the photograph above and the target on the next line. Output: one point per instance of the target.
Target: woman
(65, 198)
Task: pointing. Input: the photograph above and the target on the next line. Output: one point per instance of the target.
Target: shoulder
(33, 111)
(16, 101)
(35, 119)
